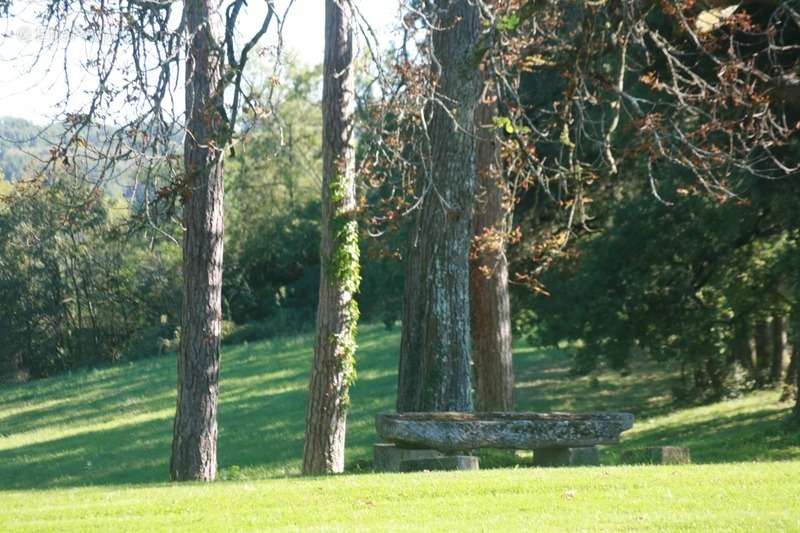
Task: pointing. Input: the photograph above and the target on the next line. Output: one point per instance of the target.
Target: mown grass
(749, 428)
(113, 425)
(109, 430)
(740, 497)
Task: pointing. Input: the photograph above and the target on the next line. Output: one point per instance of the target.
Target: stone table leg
(387, 457)
(451, 462)
(583, 456)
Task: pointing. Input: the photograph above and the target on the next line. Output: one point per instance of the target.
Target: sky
(34, 93)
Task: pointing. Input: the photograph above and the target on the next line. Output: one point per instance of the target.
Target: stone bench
(556, 438)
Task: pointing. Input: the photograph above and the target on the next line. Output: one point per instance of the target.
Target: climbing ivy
(344, 269)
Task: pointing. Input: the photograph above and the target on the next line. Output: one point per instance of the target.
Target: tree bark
(779, 349)
(795, 416)
(337, 312)
(763, 348)
(489, 302)
(434, 373)
(194, 444)
(793, 374)
(792, 371)
(741, 347)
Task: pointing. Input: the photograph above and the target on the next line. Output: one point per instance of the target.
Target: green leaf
(508, 23)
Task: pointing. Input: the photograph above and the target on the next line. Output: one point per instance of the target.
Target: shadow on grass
(544, 383)
(114, 426)
(760, 435)
(137, 453)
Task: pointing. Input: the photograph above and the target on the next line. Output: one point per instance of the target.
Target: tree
(694, 294)
(78, 290)
(793, 375)
(779, 350)
(337, 313)
(795, 416)
(272, 210)
(132, 50)
(212, 65)
(434, 373)
(194, 441)
(790, 379)
(489, 302)
(763, 344)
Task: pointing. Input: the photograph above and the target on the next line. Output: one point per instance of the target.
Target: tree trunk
(779, 350)
(795, 416)
(763, 347)
(741, 348)
(13, 370)
(434, 373)
(194, 444)
(489, 302)
(337, 310)
(790, 380)
(794, 371)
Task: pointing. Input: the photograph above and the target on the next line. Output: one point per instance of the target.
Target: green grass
(109, 431)
(742, 497)
(750, 428)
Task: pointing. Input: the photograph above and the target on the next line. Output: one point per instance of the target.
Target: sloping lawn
(114, 425)
(90, 451)
(749, 428)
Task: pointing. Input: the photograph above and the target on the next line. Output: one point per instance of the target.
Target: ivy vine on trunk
(333, 369)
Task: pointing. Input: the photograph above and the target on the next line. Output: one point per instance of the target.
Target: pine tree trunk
(337, 311)
(434, 373)
(194, 444)
(489, 302)
(779, 349)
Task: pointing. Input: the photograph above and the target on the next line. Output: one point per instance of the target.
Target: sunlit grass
(108, 430)
(733, 497)
(750, 428)
(113, 425)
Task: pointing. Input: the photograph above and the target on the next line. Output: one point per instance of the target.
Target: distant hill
(20, 139)
(24, 144)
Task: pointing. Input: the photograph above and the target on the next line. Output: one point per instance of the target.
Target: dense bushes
(75, 289)
(706, 283)
(79, 289)
(286, 322)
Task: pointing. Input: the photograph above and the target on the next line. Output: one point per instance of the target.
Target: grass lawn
(90, 450)
(737, 497)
